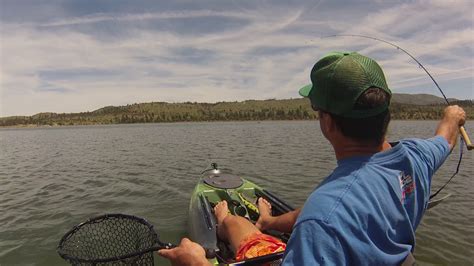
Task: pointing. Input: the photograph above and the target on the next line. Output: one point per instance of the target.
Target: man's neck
(351, 148)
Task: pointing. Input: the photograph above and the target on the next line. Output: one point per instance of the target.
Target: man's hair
(372, 129)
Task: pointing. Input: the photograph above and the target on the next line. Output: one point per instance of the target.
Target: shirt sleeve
(433, 152)
(313, 242)
(430, 154)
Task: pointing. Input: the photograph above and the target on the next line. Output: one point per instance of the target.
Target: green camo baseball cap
(339, 78)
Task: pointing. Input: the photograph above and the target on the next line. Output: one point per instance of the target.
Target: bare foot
(221, 210)
(265, 209)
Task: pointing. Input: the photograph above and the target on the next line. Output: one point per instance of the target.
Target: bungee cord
(464, 140)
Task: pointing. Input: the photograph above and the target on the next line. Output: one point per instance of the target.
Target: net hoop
(99, 219)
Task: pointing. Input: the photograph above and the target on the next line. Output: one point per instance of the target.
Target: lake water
(54, 178)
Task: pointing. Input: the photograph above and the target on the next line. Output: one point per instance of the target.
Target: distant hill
(419, 99)
(404, 106)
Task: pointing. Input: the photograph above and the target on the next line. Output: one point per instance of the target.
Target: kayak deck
(241, 196)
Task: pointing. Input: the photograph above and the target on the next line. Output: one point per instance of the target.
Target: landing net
(112, 239)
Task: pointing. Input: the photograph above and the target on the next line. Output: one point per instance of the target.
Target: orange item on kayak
(257, 245)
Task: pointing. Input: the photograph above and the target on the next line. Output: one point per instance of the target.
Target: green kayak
(241, 195)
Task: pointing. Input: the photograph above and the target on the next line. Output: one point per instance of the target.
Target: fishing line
(464, 138)
(457, 170)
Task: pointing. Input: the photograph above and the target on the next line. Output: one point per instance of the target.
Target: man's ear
(330, 123)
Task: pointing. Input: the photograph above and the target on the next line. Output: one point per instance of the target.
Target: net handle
(112, 259)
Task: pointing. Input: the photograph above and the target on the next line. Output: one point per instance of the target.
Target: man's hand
(187, 253)
(454, 117)
(456, 114)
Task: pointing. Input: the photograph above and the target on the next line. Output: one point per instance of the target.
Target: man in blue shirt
(367, 210)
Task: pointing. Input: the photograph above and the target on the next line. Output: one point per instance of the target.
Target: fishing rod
(465, 138)
(462, 130)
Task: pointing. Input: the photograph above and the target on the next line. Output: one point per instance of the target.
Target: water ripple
(55, 178)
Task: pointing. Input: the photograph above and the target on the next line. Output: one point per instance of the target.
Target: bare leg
(232, 228)
(265, 210)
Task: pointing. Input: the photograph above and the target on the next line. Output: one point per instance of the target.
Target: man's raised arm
(454, 117)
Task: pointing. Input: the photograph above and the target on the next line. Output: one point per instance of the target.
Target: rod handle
(466, 138)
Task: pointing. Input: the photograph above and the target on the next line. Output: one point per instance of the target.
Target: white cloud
(268, 56)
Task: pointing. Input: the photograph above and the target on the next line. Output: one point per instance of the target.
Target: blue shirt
(366, 212)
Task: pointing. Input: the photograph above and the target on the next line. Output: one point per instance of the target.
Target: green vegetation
(157, 112)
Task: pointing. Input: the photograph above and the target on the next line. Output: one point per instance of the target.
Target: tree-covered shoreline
(250, 110)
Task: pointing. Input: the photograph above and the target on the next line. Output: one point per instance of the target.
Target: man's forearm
(283, 223)
(449, 130)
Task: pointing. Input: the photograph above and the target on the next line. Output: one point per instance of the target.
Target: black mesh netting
(114, 239)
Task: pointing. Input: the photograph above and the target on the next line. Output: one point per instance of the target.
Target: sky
(81, 55)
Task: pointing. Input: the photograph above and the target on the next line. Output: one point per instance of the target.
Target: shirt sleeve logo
(407, 185)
